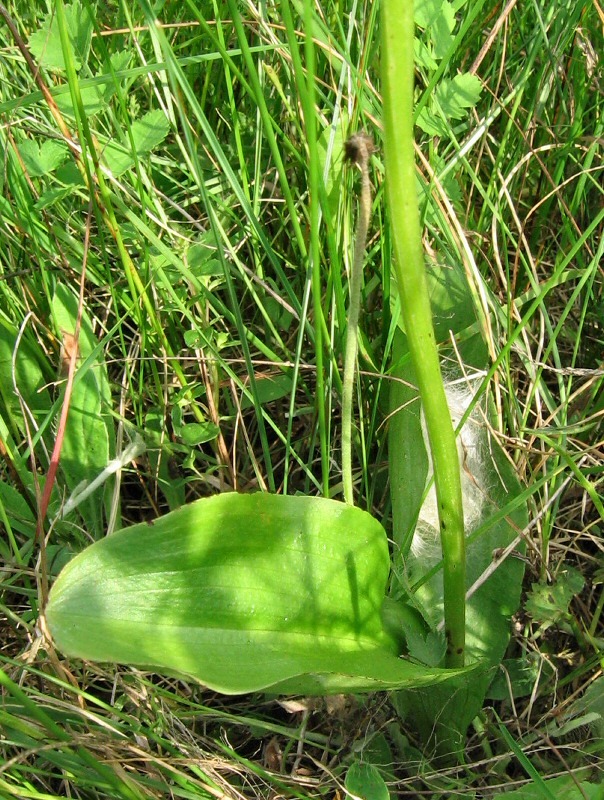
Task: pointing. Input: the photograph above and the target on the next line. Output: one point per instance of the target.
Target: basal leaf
(269, 388)
(242, 592)
(566, 787)
(365, 781)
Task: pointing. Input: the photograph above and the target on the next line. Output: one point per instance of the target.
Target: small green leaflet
(452, 100)
(45, 43)
(147, 133)
(41, 159)
(365, 781)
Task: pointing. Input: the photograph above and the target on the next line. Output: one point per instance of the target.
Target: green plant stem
(397, 89)
(363, 143)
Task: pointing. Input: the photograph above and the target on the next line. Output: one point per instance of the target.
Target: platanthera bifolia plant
(297, 594)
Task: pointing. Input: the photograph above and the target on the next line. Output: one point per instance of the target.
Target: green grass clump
(173, 187)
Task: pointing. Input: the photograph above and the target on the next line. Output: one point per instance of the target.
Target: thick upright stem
(397, 88)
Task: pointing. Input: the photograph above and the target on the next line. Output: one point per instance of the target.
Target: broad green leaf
(520, 677)
(16, 509)
(147, 133)
(150, 131)
(452, 707)
(365, 781)
(202, 261)
(425, 12)
(269, 388)
(41, 159)
(566, 787)
(52, 196)
(198, 432)
(423, 56)
(89, 439)
(242, 592)
(160, 455)
(45, 44)
(593, 701)
(440, 30)
(453, 98)
(431, 123)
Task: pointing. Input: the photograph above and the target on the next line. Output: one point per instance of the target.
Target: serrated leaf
(41, 159)
(437, 19)
(94, 99)
(52, 196)
(243, 593)
(431, 124)
(150, 130)
(456, 96)
(120, 60)
(45, 43)
(548, 603)
(147, 133)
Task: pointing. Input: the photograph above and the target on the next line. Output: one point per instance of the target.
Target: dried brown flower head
(356, 145)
